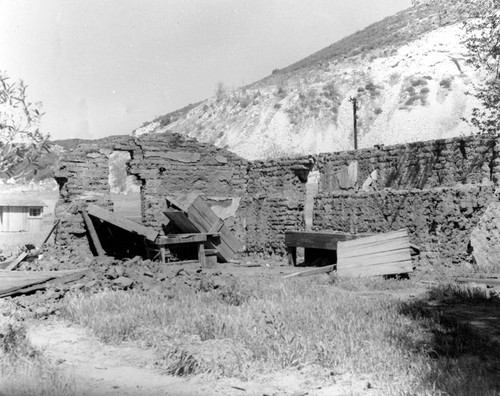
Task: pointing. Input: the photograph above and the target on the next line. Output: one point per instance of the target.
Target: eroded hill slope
(408, 72)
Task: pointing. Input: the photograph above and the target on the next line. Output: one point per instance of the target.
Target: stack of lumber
(198, 217)
(383, 254)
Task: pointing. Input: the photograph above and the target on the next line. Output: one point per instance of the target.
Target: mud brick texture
(422, 165)
(439, 220)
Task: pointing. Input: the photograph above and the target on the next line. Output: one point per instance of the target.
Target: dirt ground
(101, 369)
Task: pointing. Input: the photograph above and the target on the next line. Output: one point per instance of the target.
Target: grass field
(261, 325)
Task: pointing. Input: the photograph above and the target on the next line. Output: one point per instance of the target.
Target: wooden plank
(216, 227)
(376, 239)
(93, 234)
(181, 201)
(315, 240)
(11, 282)
(16, 262)
(314, 271)
(181, 220)
(376, 258)
(173, 239)
(121, 222)
(383, 254)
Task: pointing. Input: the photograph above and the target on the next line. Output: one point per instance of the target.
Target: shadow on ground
(461, 334)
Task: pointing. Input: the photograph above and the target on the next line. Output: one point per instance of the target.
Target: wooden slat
(376, 258)
(181, 220)
(376, 239)
(122, 222)
(315, 240)
(383, 254)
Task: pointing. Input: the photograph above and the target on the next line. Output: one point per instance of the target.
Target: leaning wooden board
(382, 254)
(121, 222)
(207, 221)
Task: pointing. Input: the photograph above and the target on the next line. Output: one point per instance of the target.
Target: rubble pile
(106, 273)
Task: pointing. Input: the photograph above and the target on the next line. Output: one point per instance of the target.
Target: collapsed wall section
(169, 165)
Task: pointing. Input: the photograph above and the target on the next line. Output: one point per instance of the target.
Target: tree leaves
(21, 142)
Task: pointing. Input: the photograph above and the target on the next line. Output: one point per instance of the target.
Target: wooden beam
(175, 239)
(315, 240)
(314, 271)
(16, 262)
(50, 233)
(93, 234)
(121, 222)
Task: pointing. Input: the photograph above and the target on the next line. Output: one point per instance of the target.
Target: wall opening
(125, 189)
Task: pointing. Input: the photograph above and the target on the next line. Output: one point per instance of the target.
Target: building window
(35, 212)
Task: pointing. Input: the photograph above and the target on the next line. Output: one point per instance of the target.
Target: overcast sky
(104, 67)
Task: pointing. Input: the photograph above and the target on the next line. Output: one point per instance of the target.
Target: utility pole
(355, 108)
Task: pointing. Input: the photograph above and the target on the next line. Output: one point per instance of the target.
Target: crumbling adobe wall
(166, 165)
(439, 220)
(422, 165)
(437, 189)
(274, 203)
(82, 175)
(170, 165)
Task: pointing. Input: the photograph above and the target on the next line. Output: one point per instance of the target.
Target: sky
(104, 67)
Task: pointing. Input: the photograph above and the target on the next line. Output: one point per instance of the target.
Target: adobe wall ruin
(438, 189)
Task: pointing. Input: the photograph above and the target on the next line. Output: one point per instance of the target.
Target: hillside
(408, 72)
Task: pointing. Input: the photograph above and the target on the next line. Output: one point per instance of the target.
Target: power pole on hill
(355, 108)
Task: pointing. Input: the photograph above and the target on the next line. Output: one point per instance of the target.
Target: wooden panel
(122, 222)
(204, 218)
(383, 254)
(316, 240)
(181, 220)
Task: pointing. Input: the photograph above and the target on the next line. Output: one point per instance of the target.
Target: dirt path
(105, 370)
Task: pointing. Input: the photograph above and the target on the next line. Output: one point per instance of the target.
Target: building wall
(437, 189)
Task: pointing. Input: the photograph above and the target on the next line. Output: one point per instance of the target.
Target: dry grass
(265, 325)
(23, 369)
